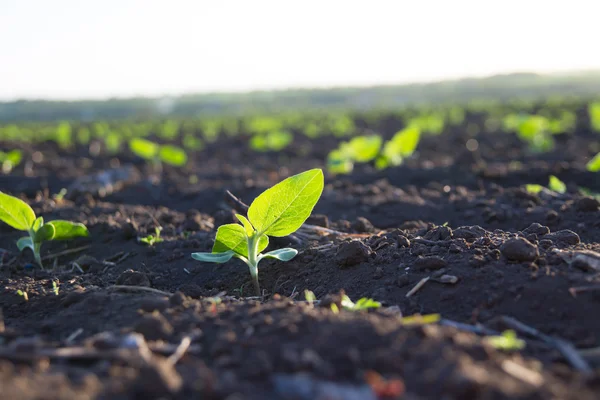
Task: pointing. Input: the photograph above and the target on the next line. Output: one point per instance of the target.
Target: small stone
(402, 241)
(177, 299)
(587, 204)
(439, 233)
(319, 220)
(469, 232)
(352, 253)
(154, 303)
(378, 273)
(454, 248)
(191, 290)
(363, 225)
(519, 249)
(537, 229)
(154, 327)
(133, 278)
(552, 217)
(402, 281)
(565, 236)
(431, 263)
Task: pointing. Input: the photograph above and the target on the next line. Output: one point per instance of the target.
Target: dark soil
(490, 249)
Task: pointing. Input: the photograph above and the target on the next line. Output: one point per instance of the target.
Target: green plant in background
(158, 154)
(19, 215)
(594, 164)
(63, 135)
(402, 145)
(554, 184)
(192, 142)
(279, 211)
(272, 141)
(9, 160)
(359, 149)
(535, 131)
(151, 240)
(508, 341)
(362, 304)
(594, 112)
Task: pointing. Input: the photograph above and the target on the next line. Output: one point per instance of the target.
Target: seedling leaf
(68, 230)
(508, 341)
(15, 212)
(533, 188)
(217, 258)
(37, 224)
(594, 164)
(283, 208)
(247, 225)
(25, 242)
(144, 148)
(234, 237)
(45, 233)
(173, 155)
(557, 185)
(285, 254)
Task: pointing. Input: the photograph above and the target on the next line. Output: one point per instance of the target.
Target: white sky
(94, 49)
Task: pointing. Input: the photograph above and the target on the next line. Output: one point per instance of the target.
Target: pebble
(564, 237)
(469, 232)
(537, 229)
(133, 278)
(587, 204)
(430, 263)
(519, 249)
(352, 253)
(363, 225)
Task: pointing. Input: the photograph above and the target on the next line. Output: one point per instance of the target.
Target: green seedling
(60, 196)
(9, 160)
(19, 215)
(279, 211)
(309, 296)
(158, 154)
(360, 149)
(402, 145)
(594, 164)
(554, 184)
(508, 341)
(421, 319)
(23, 295)
(151, 240)
(55, 288)
(594, 112)
(362, 304)
(272, 141)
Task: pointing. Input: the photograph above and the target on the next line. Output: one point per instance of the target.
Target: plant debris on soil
(450, 232)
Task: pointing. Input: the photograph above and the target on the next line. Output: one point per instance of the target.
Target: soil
(126, 320)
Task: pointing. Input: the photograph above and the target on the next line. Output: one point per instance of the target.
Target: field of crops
(453, 253)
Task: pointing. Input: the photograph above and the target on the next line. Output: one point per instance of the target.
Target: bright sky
(72, 49)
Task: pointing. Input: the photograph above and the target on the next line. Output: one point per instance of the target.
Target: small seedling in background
(360, 305)
(508, 341)
(10, 160)
(272, 141)
(17, 214)
(158, 154)
(421, 319)
(309, 296)
(554, 184)
(279, 211)
(55, 288)
(60, 196)
(594, 164)
(23, 295)
(402, 145)
(151, 240)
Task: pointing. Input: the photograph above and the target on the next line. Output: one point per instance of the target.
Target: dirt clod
(430, 263)
(352, 253)
(519, 249)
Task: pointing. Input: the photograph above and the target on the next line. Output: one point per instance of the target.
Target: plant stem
(36, 254)
(253, 262)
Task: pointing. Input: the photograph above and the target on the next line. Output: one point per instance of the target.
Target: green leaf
(217, 258)
(557, 185)
(25, 242)
(68, 230)
(173, 155)
(285, 254)
(144, 148)
(247, 225)
(594, 164)
(234, 237)
(44, 233)
(37, 224)
(283, 208)
(508, 341)
(15, 212)
(533, 188)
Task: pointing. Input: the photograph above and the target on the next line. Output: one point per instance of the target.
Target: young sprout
(594, 164)
(279, 211)
(508, 341)
(158, 154)
(23, 295)
(418, 319)
(17, 214)
(151, 240)
(9, 160)
(554, 184)
(55, 288)
(361, 304)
